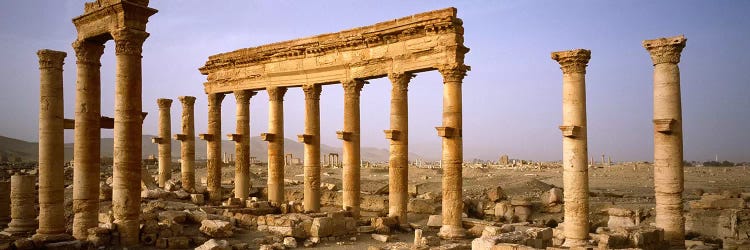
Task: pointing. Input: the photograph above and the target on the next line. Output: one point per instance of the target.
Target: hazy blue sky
(512, 96)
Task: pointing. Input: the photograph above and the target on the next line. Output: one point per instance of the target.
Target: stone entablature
(417, 43)
(101, 18)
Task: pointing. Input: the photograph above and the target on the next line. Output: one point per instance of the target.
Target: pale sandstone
(351, 146)
(311, 140)
(213, 154)
(23, 213)
(575, 148)
(187, 143)
(242, 145)
(275, 139)
(164, 141)
(51, 144)
(668, 152)
(398, 169)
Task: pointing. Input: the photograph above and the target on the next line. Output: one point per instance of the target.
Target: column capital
(164, 103)
(453, 72)
(243, 96)
(276, 93)
(129, 41)
(572, 61)
(665, 49)
(312, 91)
(88, 52)
(51, 58)
(187, 100)
(215, 98)
(352, 87)
(400, 80)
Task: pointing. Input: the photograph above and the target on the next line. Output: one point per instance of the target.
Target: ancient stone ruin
(133, 209)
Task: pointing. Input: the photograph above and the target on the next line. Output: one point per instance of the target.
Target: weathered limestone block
(435, 221)
(496, 194)
(99, 236)
(380, 237)
(552, 197)
(719, 224)
(384, 225)
(105, 192)
(423, 206)
(172, 216)
(197, 199)
(217, 228)
(505, 211)
(214, 244)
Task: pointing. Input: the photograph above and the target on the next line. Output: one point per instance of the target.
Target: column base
(50, 238)
(450, 232)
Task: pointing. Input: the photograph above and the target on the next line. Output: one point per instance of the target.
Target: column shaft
(276, 145)
(126, 193)
(187, 145)
(668, 152)
(86, 147)
(23, 213)
(575, 149)
(242, 145)
(165, 142)
(452, 158)
(51, 162)
(351, 147)
(213, 155)
(311, 139)
(398, 170)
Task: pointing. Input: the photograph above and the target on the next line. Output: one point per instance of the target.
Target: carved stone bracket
(446, 131)
(572, 61)
(304, 139)
(392, 134)
(267, 136)
(343, 135)
(571, 131)
(665, 50)
(664, 126)
(157, 140)
(180, 137)
(206, 137)
(234, 137)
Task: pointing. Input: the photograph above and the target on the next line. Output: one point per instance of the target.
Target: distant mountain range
(28, 151)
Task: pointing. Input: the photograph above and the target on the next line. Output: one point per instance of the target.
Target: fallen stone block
(495, 194)
(435, 221)
(214, 244)
(217, 228)
(423, 206)
(380, 237)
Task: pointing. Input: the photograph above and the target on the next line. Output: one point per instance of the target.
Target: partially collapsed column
(350, 137)
(242, 145)
(275, 139)
(126, 193)
(86, 148)
(452, 159)
(575, 149)
(51, 144)
(164, 140)
(213, 154)
(311, 139)
(398, 170)
(22, 213)
(187, 143)
(668, 154)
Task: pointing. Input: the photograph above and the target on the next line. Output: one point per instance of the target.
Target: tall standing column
(311, 139)
(187, 145)
(398, 170)
(126, 193)
(275, 139)
(452, 159)
(164, 140)
(350, 136)
(51, 159)
(86, 151)
(213, 155)
(242, 145)
(575, 149)
(668, 154)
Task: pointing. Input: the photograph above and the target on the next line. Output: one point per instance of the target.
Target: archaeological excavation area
(336, 201)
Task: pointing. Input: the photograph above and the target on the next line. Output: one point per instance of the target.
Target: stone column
(22, 213)
(164, 141)
(126, 186)
(242, 145)
(350, 138)
(275, 139)
(213, 155)
(187, 145)
(398, 170)
(4, 203)
(452, 160)
(575, 149)
(51, 143)
(668, 154)
(311, 139)
(86, 151)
